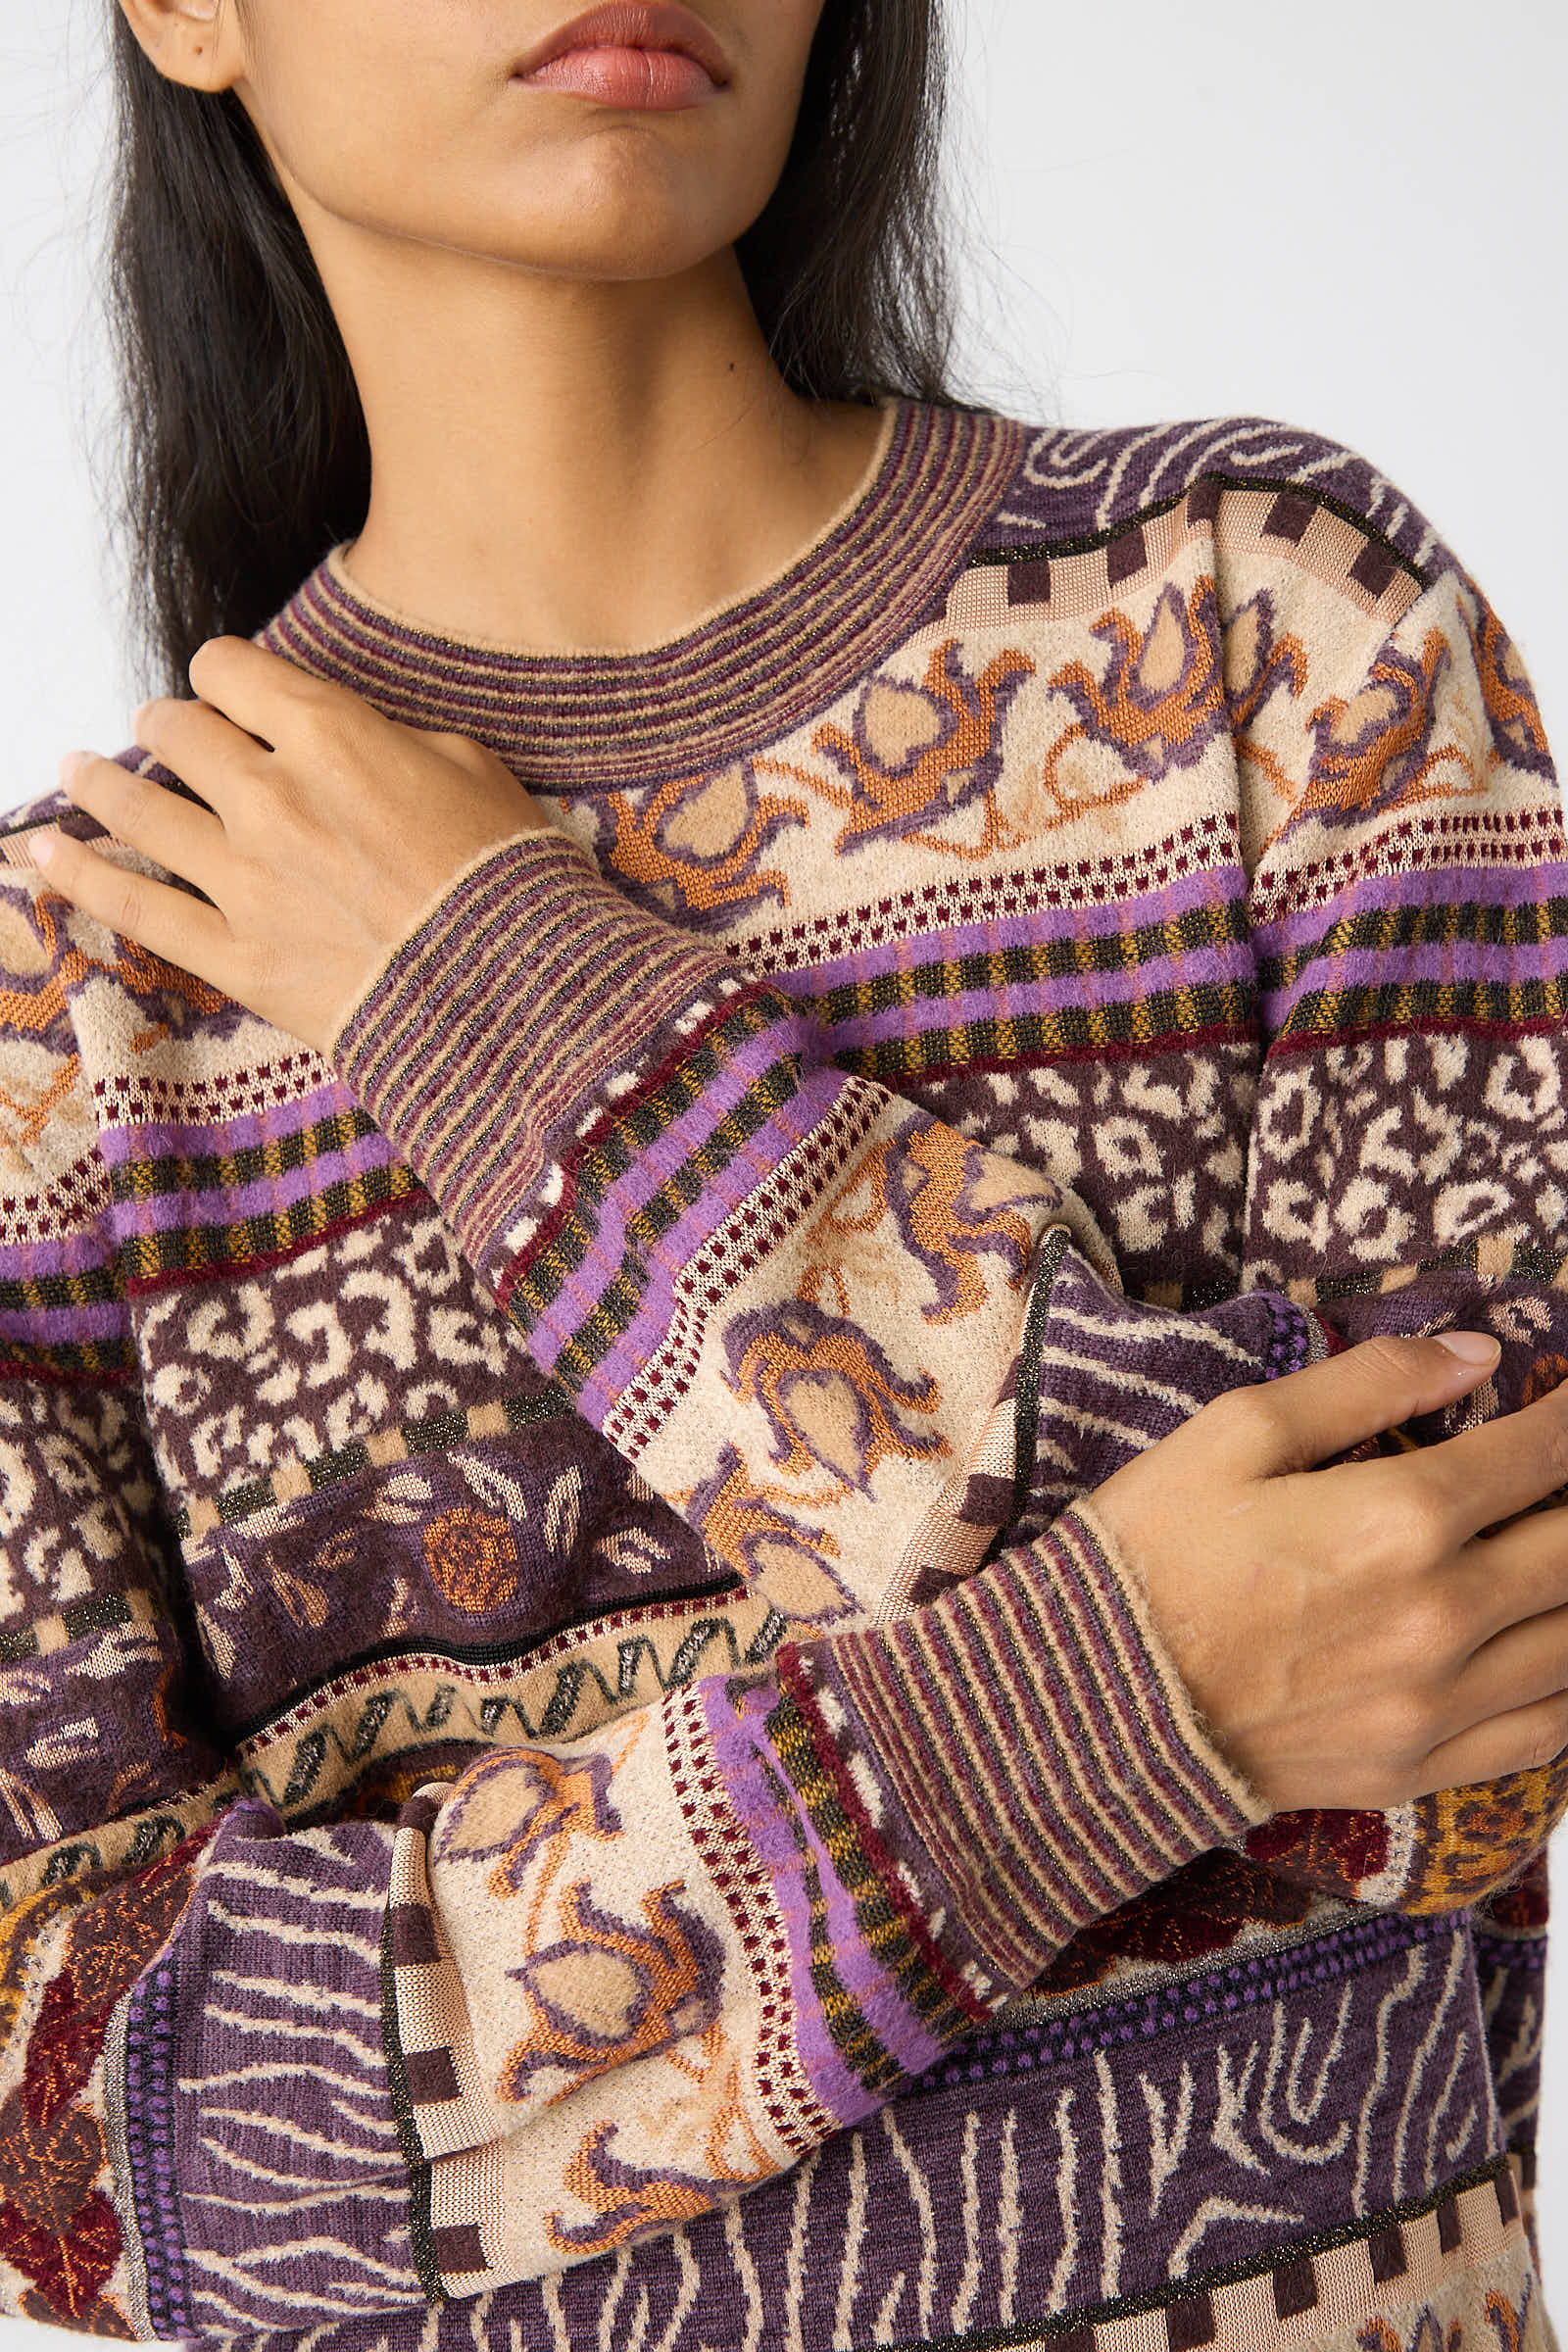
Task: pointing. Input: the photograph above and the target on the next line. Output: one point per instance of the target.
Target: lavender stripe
(1117, 918)
(477, 1170)
(175, 1212)
(1070, 993)
(479, 1174)
(1482, 886)
(649, 1327)
(124, 1141)
(80, 1251)
(741, 1745)
(64, 1326)
(1383, 968)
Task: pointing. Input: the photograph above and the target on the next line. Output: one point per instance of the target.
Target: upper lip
(634, 24)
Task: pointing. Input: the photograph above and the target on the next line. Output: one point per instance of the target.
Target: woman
(749, 1604)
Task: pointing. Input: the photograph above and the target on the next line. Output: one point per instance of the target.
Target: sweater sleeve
(254, 2074)
(1408, 1170)
(809, 1311)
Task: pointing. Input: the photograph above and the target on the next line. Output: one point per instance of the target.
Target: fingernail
(70, 763)
(1470, 1347)
(43, 848)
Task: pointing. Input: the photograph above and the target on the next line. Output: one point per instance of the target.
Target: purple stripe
(737, 1742)
(78, 1252)
(1082, 1676)
(320, 625)
(476, 1172)
(1032, 1879)
(64, 1326)
(1081, 993)
(1223, 886)
(122, 1141)
(760, 1158)
(1438, 885)
(500, 893)
(737, 1076)
(854, 597)
(171, 1213)
(1401, 968)
(920, 438)
(387, 1032)
(1072, 1661)
(581, 1294)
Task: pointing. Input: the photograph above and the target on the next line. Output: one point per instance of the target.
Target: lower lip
(656, 81)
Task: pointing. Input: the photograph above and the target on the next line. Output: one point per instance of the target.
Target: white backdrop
(1348, 216)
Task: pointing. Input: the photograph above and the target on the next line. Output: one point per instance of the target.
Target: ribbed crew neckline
(585, 722)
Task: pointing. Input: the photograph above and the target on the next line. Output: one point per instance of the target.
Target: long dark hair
(246, 453)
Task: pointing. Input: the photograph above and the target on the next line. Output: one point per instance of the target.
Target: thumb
(1328, 1407)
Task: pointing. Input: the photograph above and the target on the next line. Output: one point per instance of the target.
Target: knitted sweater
(579, 1769)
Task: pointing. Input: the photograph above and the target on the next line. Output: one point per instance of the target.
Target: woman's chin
(618, 207)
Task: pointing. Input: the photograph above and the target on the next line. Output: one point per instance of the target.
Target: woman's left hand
(329, 832)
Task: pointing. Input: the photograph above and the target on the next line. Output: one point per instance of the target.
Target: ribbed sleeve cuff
(530, 990)
(1038, 1743)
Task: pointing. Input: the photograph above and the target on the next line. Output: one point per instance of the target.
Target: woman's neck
(559, 464)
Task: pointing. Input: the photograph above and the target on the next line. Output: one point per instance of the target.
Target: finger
(1522, 1741)
(166, 921)
(144, 815)
(203, 748)
(1518, 1577)
(1483, 1476)
(1526, 1661)
(259, 691)
(1303, 1417)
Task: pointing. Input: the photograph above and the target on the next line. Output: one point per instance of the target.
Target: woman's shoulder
(76, 999)
(29, 942)
(50, 1176)
(45, 940)
(29, 929)
(22, 880)
(1082, 486)
(1359, 653)
(21, 822)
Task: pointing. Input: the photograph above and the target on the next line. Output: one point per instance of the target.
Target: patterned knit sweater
(578, 1769)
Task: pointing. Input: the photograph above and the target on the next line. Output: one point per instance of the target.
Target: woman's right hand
(1348, 1636)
